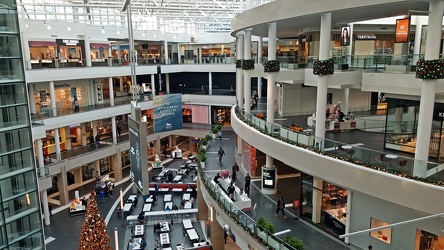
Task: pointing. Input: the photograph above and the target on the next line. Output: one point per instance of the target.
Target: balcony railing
(377, 160)
(249, 225)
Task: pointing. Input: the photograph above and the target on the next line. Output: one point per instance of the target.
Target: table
(127, 208)
(168, 204)
(186, 197)
(132, 197)
(192, 234)
(391, 157)
(164, 227)
(138, 241)
(188, 205)
(150, 199)
(167, 198)
(146, 207)
(187, 224)
(139, 231)
(164, 172)
(164, 239)
(177, 178)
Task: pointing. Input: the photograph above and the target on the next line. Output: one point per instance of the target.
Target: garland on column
(272, 66)
(324, 67)
(247, 64)
(430, 69)
(93, 235)
(238, 63)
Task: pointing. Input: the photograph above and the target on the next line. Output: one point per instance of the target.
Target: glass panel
(14, 161)
(23, 226)
(19, 184)
(20, 204)
(8, 22)
(2, 236)
(13, 116)
(9, 46)
(10, 69)
(12, 94)
(15, 140)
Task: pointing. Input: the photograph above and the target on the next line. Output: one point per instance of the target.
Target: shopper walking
(76, 104)
(102, 196)
(220, 153)
(235, 167)
(247, 184)
(233, 177)
(219, 134)
(280, 207)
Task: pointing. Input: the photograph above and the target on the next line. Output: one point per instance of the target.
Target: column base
(269, 190)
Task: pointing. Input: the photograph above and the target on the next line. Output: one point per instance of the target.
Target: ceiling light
(69, 28)
(26, 25)
(118, 32)
(143, 34)
(48, 27)
(154, 35)
(103, 30)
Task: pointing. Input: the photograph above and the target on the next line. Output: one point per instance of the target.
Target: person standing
(280, 207)
(219, 134)
(102, 196)
(247, 184)
(119, 130)
(76, 104)
(233, 177)
(235, 167)
(220, 153)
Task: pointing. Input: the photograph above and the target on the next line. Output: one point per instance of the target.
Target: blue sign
(167, 113)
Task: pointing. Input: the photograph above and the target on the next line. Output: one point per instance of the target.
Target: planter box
(396, 68)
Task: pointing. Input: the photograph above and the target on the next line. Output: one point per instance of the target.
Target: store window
(105, 165)
(384, 235)
(99, 54)
(426, 240)
(71, 52)
(87, 172)
(42, 54)
(334, 207)
(125, 158)
(221, 115)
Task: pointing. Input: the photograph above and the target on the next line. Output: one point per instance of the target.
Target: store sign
(402, 30)
(167, 112)
(366, 37)
(114, 47)
(70, 42)
(438, 114)
(62, 85)
(268, 177)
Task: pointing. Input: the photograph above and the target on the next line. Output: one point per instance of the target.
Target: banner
(345, 35)
(402, 30)
(167, 113)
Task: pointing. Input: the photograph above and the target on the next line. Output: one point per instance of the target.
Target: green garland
(247, 64)
(272, 66)
(343, 158)
(324, 67)
(430, 69)
(238, 63)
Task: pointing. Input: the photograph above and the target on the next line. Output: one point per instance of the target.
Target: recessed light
(69, 28)
(118, 32)
(48, 27)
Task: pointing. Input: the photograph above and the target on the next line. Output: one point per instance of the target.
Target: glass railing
(205, 91)
(387, 162)
(267, 239)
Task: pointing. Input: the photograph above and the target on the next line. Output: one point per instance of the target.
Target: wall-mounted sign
(62, 85)
(438, 114)
(366, 37)
(402, 30)
(70, 42)
(167, 112)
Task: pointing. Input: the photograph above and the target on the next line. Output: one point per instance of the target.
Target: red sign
(296, 204)
(402, 30)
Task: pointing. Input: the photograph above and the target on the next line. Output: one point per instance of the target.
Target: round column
(53, 100)
(239, 71)
(111, 90)
(247, 73)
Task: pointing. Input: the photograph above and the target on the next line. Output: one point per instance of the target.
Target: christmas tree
(93, 235)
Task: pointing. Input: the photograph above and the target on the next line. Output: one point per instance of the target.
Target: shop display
(335, 120)
(77, 207)
(249, 159)
(385, 234)
(428, 241)
(334, 207)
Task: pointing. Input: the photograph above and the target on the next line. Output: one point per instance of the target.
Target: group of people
(231, 187)
(132, 244)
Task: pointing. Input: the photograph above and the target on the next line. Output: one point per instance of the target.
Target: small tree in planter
(294, 242)
(269, 227)
(208, 137)
(261, 221)
(202, 158)
(204, 142)
(215, 130)
(201, 151)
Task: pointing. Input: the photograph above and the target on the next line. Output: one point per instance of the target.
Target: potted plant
(204, 143)
(294, 242)
(261, 221)
(201, 151)
(202, 158)
(269, 227)
(215, 130)
(208, 137)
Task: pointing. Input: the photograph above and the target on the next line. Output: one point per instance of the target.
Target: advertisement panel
(167, 113)
(268, 177)
(345, 35)
(402, 30)
(138, 152)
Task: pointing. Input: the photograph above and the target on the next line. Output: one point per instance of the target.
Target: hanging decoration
(324, 67)
(238, 63)
(430, 69)
(247, 64)
(272, 66)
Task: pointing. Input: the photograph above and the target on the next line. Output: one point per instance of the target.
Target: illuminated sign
(402, 30)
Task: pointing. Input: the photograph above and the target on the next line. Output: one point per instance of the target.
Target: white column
(259, 50)
(349, 48)
(167, 82)
(87, 51)
(45, 207)
(31, 98)
(418, 33)
(271, 76)
(321, 98)
(259, 86)
(121, 85)
(94, 128)
(165, 45)
(317, 200)
(25, 44)
(110, 57)
(247, 73)
(239, 71)
(92, 100)
(428, 89)
(67, 137)
(179, 59)
(40, 158)
(344, 103)
(53, 100)
(114, 128)
(57, 144)
(83, 134)
(153, 85)
(348, 217)
(210, 83)
(119, 57)
(111, 91)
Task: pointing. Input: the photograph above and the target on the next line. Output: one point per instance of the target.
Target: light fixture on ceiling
(144, 33)
(69, 28)
(26, 25)
(48, 27)
(103, 30)
(154, 35)
(118, 32)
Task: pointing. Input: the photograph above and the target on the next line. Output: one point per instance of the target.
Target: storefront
(124, 53)
(71, 52)
(99, 54)
(42, 54)
(88, 171)
(195, 113)
(220, 115)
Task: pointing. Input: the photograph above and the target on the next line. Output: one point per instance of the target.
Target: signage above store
(62, 85)
(373, 37)
(70, 42)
